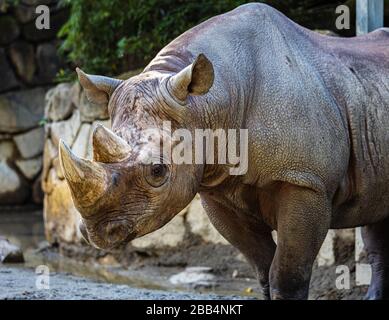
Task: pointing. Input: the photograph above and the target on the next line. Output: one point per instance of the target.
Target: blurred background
(40, 102)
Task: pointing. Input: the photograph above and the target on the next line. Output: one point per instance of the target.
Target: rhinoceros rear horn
(98, 89)
(86, 179)
(108, 147)
(195, 79)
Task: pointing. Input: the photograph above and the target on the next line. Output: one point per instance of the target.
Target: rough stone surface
(61, 217)
(171, 235)
(30, 167)
(49, 153)
(65, 130)
(82, 142)
(194, 277)
(30, 144)
(48, 62)
(90, 111)
(7, 150)
(21, 110)
(9, 29)
(326, 256)
(9, 252)
(8, 80)
(199, 223)
(37, 192)
(58, 106)
(13, 189)
(24, 13)
(22, 56)
(31, 33)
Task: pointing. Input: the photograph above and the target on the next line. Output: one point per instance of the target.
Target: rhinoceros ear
(98, 89)
(195, 79)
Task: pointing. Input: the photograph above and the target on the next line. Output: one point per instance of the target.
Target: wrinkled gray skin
(317, 112)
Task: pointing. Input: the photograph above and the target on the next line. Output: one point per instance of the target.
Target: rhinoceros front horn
(98, 89)
(108, 147)
(87, 180)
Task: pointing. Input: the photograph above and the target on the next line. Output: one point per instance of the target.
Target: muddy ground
(81, 272)
(20, 284)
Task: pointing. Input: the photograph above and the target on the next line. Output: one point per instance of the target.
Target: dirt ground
(146, 270)
(232, 273)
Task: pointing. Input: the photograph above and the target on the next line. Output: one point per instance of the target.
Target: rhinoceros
(316, 109)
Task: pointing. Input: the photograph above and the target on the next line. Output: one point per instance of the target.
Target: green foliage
(112, 36)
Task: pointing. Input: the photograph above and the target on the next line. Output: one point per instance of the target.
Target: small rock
(194, 276)
(30, 144)
(235, 274)
(22, 56)
(10, 253)
(30, 167)
(248, 290)
(108, 260)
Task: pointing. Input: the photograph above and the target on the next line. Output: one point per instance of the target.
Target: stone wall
(28, 65)
(71, 117)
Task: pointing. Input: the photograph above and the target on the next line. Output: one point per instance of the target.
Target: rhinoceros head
(129, 189)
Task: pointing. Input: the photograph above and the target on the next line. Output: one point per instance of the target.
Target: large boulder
(65, 130)
(90, 111)
(200, 225)
(48, 62)
(170, 235)
(58, 105)
(9, 29)
(7, 150)
(6, 73)
(22, 56)
(21, 110)
(13, 189)
(61, 217)
(30, 144)
(24, 13)
(29, 167)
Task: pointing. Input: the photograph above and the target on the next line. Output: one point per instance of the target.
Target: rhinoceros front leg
(376, 240)
(246, 233)
(303, 219)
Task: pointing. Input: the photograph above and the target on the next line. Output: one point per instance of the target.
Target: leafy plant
(112, 36)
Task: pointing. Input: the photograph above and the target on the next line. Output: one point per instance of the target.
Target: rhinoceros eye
(157, 174)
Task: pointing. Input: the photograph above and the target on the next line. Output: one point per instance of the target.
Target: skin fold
(317, 113)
